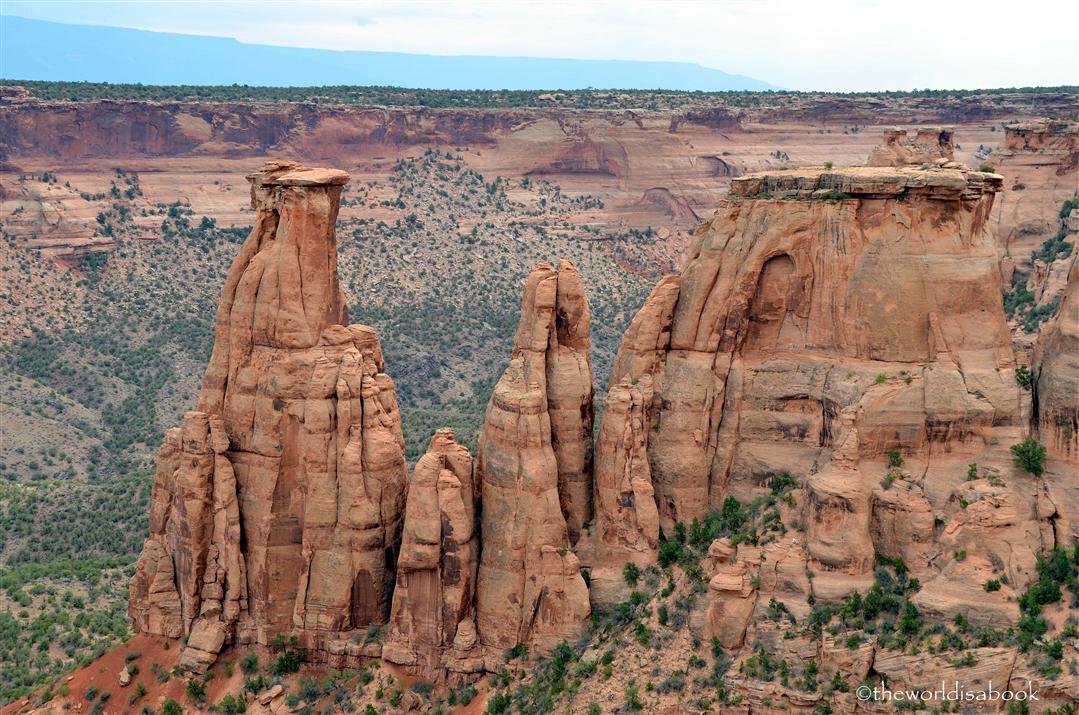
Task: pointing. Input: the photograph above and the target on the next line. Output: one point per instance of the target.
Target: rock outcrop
(277, 506)
(1056, 366)
(533, 456)
(929, 145)
(626, 524)
(1040, 160)
(432, 623)
(842, 326)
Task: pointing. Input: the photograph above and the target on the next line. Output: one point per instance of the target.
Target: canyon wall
(652, 167)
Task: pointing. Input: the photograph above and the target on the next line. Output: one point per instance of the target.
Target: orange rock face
(626, 525)
(432, 624)
(826, 324)
(535, 443)
(842, 331)
(297, 445)
(1056, 362)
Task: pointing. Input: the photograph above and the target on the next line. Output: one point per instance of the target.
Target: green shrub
(631, 572)
(1030, 455)
(196, 690)
(231, 705)
(287, 662)
(250, 663)
(992, 585)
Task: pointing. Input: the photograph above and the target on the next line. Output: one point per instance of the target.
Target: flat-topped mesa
(287, 486)
(929, 145)
(857, 182)
(533, 470)
(432, 623)
(823, 316)
(1042, 135)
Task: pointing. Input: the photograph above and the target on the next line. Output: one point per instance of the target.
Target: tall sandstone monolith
(533, 472)
(277, 505)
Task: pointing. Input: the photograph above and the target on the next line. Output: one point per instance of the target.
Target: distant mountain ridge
(40, 50)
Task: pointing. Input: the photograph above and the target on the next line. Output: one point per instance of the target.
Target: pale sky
(844, 45)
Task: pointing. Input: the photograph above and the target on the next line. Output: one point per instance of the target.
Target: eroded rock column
(530, 589)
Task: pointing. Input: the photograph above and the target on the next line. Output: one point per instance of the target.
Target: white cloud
(853, 45)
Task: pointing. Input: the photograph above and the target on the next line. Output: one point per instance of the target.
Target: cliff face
(870, 266)
(296, 444)
(831, 323)
(119, 129)
(1040, 163)
(1056, 368)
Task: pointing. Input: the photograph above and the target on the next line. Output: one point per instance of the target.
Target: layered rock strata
(626, 524)
(844, 327)
(278, 504)
(533, 456)
(1040, 160)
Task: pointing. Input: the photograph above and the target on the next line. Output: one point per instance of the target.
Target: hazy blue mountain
(39, 50)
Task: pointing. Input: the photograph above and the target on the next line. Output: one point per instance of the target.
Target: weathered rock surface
(1040, 163)
(277, 505)
(530, 589)
(847, 327)
(1056, 364)
(928, 145)
(432, 623)
(626, 524)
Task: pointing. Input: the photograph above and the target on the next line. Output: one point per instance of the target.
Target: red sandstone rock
(297, 445)
(833, 318)
(432, 624)
(1056, 362)
(929, 145)
(530, 589)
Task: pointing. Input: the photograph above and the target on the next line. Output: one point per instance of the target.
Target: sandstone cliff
(297, 445)
(1040, 163)
(1056, 366)
(533, 472)
(835, 323)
